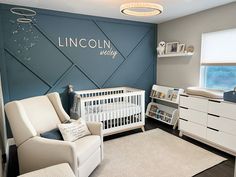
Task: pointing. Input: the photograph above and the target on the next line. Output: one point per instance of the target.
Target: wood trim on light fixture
(129, 9)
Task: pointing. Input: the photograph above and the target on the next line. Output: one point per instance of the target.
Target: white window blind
(219, 48)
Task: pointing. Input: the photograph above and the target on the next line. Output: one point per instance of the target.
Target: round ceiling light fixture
(141, 9)
(23, 20)
(24, 13)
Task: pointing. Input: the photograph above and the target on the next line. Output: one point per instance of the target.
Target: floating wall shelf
(176, 55)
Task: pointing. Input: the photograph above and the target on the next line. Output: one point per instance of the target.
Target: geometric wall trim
(33, 61)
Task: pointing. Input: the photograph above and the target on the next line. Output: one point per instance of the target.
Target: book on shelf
(160, 114)
(153, 93)
(157, 94)
(174, 95)
(169, 94)
(168, 115)
(153, 108)
(152, 114)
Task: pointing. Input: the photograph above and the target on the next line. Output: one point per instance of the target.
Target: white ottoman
(61, 170)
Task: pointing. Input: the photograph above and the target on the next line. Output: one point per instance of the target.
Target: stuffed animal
(161, 48)
(190, 49)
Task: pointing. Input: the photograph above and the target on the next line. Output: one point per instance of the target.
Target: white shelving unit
(175, 55)
(167, 114)
(163, 113)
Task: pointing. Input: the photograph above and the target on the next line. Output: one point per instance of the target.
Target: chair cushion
(86, 146)
(41, 113)
(54, 134)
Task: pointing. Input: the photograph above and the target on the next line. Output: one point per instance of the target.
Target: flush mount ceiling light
(141, 9)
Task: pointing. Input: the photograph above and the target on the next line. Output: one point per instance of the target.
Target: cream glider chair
(30, 117)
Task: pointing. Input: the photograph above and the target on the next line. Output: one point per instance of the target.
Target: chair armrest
(95, 128)
(38, 152)
(60, 170)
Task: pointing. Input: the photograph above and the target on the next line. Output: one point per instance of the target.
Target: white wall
(185, 71)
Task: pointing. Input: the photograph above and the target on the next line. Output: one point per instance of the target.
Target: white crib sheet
(112, 111)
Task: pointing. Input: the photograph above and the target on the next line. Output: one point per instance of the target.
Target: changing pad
(209, 93)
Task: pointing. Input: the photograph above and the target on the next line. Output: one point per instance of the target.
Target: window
(219, 77)
(218, 60)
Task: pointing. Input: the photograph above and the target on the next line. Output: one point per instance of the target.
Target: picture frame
(172, 47)
(181, 48)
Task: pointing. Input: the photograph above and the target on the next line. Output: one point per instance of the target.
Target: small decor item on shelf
(172, 47)
(190, 49)
(161, 48)
(181, 48)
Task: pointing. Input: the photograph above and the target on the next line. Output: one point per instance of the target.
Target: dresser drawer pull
(216, 101)
(213, 115)
(184, 95)
(213, 129)
(183, 107)
(183, 119)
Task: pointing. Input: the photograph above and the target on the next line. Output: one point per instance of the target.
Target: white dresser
(210, 121)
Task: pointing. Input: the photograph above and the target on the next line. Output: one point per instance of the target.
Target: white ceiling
(110, 8)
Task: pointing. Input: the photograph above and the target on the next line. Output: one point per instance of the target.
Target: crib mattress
(112, 111)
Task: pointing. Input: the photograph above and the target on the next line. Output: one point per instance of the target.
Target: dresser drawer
(195, 103)
(225, 140)
(222, 109)
(222, 124)
(192, 128)
(193, 116)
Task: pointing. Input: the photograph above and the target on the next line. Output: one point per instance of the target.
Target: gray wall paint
(185, 71)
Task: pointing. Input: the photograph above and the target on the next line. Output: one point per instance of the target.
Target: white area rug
(154, 153)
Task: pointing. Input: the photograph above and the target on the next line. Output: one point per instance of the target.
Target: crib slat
(118, 112)
(108, 118)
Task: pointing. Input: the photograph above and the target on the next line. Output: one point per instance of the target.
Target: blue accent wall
(45, 67)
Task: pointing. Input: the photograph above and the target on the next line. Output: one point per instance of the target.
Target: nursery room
(122, 88)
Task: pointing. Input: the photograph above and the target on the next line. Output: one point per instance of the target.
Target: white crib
(119, 109)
